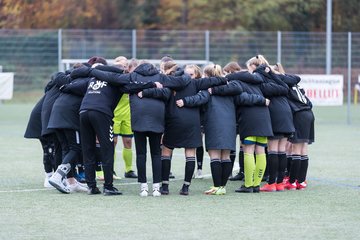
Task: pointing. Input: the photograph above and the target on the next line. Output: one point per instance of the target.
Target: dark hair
(96, 59)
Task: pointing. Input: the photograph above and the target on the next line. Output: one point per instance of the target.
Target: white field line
(119, 184)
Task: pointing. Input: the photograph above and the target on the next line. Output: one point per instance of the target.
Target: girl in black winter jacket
(254, 128)
(147, 118)
(281, 120)
(64, 119)
(34, 129)
(103, 92)
(304, 119)
(182, 127)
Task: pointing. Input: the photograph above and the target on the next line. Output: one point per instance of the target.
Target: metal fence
(33, 55)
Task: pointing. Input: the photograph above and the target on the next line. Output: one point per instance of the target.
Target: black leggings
(140, 145)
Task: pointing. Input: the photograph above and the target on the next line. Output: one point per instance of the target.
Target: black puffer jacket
(182, 125)
(252, 120)
(58, 80)
(297, 99)
(106, 88)
(276, 90)
(33, 129)
(65, 112)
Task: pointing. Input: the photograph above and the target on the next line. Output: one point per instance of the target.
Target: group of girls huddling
(173, 107)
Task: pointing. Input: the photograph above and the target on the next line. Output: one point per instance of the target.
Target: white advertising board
(6, 85)
(323, 90)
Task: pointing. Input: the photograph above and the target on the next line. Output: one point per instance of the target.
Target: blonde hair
(257, 61)
(213, 70)
(195, 68)
(278, 67)
(170, 67)
(133, 63)
(232, 67)
(121, 61)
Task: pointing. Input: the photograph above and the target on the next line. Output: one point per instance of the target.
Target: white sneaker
(156, 190)
(57, 181)
(46, 181)
(144, 190)
(198, 174)
(78, 187)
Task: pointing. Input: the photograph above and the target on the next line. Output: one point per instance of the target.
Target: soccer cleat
(238, 177)
(144, 190)
(286, 180)
(184, 190)
(111, 191)
(290, 186)
(156, 190)
(280, 187)
(198, 174)
(301, 186)
(268, 188)
(256, 189)
(244, 189)
(211, 191)
(57, 180)
(221, 191)
(164, 189)
(78, 187)
(130, 174)
(171, 175)
(93, 191)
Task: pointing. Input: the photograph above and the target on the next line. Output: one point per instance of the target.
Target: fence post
(279, 46)
(60, 66)
(133, 43)
(349, 80)
(207, 45)
(328, 35)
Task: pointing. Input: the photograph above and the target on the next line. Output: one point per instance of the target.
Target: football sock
(282, 167)
(241, 160)
(127, 156)
(226, 166)
(216, 171)
(288, 166)
(259, 168)
(165, 168)
(273, 164)
(189, 168)
(295, 168)
(304, 163)
(249, 164)
(199, 157)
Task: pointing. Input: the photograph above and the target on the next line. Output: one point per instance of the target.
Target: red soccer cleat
(268, 188)
(301, 186)
(291, 186)
(280, 187)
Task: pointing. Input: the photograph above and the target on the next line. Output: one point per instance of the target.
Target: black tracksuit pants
(71, 149)
(155, 151)
(96, 124)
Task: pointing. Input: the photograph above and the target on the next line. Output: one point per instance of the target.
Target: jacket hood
(146, 69)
